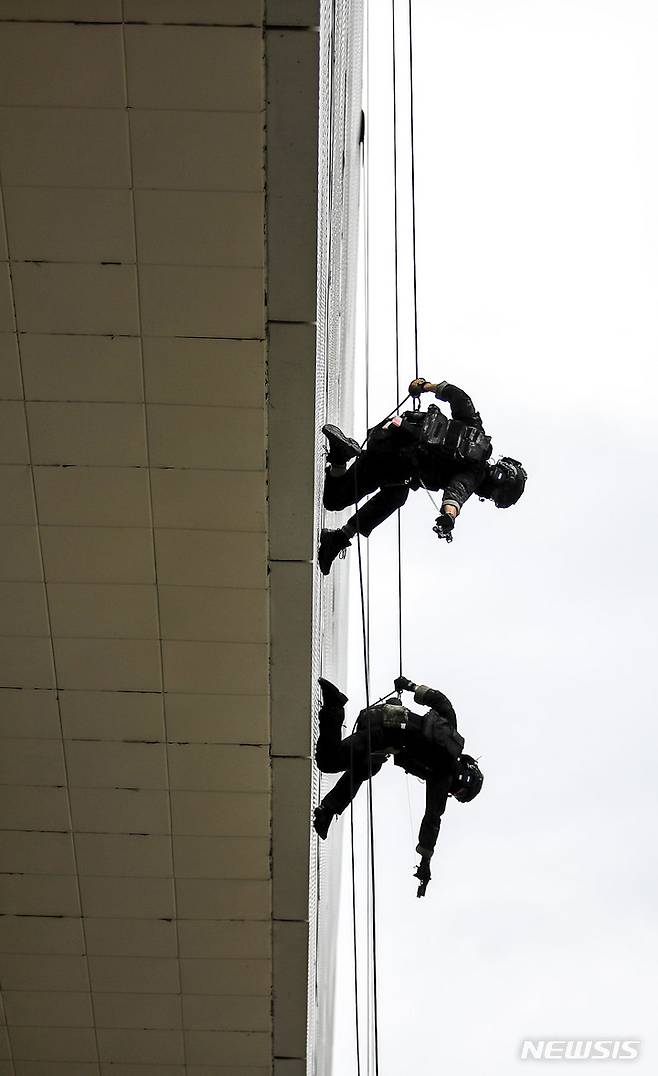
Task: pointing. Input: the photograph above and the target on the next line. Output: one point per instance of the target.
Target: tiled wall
(136, 758)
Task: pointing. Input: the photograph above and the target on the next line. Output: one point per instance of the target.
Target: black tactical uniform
(425, 745)
(398, 458)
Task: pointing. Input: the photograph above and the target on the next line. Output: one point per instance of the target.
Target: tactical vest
(432, 730)
(437, 730)
(448, 436)
(383, 718)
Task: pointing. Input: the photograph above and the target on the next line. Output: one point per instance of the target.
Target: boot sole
(345, 443)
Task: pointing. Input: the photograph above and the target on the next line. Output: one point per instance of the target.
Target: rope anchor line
(365, 592)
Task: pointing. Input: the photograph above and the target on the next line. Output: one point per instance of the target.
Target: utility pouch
(434, 428)
(444, 736)
(474, 445)
(469, 444)
(455, 439)
(394, 717)
(383, 716)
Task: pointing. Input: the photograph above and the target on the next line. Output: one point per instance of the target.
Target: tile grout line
(268, 402)
(131, 108)
(5, 1024)
(110, 264)
(155, 24)
(152, 336)
(183, 1039)
(62, 188)
(138, 403)
(52, 644)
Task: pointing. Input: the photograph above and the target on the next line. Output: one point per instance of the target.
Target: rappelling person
(425, 745)
(417, 448)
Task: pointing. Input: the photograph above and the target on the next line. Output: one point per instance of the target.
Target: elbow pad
(420, 694)
(457, 493)
(431, 696)
(461, 404)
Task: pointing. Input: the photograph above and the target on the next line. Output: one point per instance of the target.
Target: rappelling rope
(371, 832)
(326, 269)
(397, 305)
(397, 308)
(365, 603)
(364, 588)
(354, 945)
(413, 183)
(365, 600)
(324, 273)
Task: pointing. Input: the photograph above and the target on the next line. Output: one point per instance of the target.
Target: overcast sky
(537, 213)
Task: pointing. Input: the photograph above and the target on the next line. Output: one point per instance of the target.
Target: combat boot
(331, 696)
(332, 544)
(341, 448)
(322, 819)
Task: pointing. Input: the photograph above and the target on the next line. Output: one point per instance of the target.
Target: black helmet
(507, 480)
(468, 779)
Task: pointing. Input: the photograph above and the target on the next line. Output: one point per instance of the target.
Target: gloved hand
(402, 684)
(444, 526)
(424, 875)
(417, 386)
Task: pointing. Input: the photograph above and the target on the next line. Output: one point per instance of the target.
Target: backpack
(452, 438)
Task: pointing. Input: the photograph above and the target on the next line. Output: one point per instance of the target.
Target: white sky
(537, 214)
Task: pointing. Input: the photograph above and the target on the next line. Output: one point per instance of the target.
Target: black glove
(444, 526)
(402, 684)
(417, 386)
(424, 875)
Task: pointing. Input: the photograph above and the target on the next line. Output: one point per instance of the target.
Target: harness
(385, 720)
(394, 728)
(449, 437)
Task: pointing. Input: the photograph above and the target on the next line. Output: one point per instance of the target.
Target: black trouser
(380, 466)
(352, 754)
